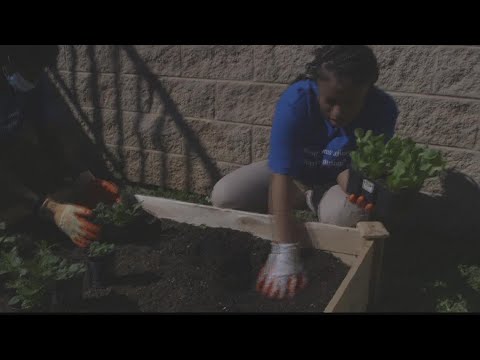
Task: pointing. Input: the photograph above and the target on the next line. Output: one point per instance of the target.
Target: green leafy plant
(99, 249)
(471, 275)
(369, 158)
(8, 240)
(36, 276)
(52, 267)
(454, 304)
(400, 163)
(414, 165)
(20, 241)
(119, 214)
(11, 262)
(30, 292)
(171, 194)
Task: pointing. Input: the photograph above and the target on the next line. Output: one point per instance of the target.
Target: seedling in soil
(122, 222)
(100, 249)
(99, 254)
(171, 194)
(117, 214)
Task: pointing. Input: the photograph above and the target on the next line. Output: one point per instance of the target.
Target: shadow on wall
(108, 115)
(431, 257)
(432, 261)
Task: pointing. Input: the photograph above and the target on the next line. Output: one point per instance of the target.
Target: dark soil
(182, 268)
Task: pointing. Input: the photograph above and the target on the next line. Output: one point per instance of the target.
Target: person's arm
(78, 153)
(64, 128)
(282, 274)
(280, 206)
(17, 200)
(290, 111)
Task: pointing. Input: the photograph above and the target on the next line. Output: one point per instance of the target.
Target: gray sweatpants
(247, 189)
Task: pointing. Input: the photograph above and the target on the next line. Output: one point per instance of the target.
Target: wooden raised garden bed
(200, 258)
(360, 248)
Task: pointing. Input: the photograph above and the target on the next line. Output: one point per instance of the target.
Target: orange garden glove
(283, 273)
(94, 191)
(361, 202)
(102, 191)
(73, 221)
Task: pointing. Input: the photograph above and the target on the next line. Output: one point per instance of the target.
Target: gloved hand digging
(283, 274)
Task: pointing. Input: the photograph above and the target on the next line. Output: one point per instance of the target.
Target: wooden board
(347, 259)
(354, 292)
(320, 236)
(372, 230)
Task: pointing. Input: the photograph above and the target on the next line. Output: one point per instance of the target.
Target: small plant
(413, 167)
(30, 292)
(471, 275)
(456, 304)
(20, 241)
(172, 194)
(37, 276)
(119, 214)
(100, 249)
(369, 157)
(8, 240)
(12, 263)
(400, 163)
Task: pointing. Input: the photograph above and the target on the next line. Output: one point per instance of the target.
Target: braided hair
(356, 63)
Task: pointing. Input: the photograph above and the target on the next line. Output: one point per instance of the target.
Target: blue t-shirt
(307, 147)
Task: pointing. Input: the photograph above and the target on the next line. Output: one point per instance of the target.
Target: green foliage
(471, 275)
(7, 241)
(98, 249)
(11, 262)
(454, 304)
(30, 292)
(369, 157)
(401, 163)
(119, 214)
(32, 278)
(173, 194)
(414, 165)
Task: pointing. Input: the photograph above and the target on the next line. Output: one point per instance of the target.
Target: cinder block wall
(181, 116)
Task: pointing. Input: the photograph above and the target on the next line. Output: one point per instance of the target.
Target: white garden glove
(283, 273)
(73, 221)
